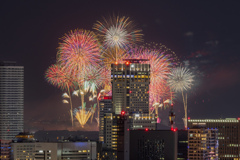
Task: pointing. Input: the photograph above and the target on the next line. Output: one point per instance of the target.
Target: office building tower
(156, 144)
(130, 86)
(202, 143)
(11, 99)
(228, 135)
(130, 107)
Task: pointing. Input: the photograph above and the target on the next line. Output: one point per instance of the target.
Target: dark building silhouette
(154, 144)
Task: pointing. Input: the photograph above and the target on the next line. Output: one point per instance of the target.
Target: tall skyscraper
(130, 86)
(11, 99)
(228, 135)
(128, 108)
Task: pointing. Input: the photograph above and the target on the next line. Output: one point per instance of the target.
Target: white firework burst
(118, 32)
(180, 79)
(116, 36)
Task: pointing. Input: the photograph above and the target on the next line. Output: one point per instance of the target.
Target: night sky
(203, 34)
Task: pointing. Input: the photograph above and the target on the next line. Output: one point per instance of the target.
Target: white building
(54, 151)
(11, 99)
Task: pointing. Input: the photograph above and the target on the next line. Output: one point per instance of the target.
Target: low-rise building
(55, 151)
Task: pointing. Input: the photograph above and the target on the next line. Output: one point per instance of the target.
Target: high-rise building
(228, 135)
(127, 109)
(11, 99)
(130, 86)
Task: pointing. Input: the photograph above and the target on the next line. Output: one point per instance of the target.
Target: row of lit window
(212, 120)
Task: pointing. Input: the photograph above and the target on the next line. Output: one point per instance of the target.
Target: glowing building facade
(130, 107)
(11, 99)
(202, 143)
(130, 87)
(228, 135)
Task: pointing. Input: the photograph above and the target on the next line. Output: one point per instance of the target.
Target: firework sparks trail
(118, 32)
(112, 55)
(79, 51)
(58, 76)
(87, 63)
(180, 80)
(82, 115)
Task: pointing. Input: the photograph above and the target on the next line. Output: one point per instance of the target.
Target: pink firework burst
(78, 50)
(59, 77)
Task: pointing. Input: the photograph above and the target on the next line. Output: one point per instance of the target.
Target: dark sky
(204, 34)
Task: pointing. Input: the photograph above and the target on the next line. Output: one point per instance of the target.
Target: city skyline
(210, 50)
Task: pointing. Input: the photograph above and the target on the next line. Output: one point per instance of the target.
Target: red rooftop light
(116, 62)
(188, 118)
(174, 129)
(123, 113)
(146, 129)
(127, 63)
(107, 97)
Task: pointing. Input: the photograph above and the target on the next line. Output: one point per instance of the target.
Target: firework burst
(58, 76)
(78, 50)
(82, 115)
(112, 55)
(117, 32)
(180, 80)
